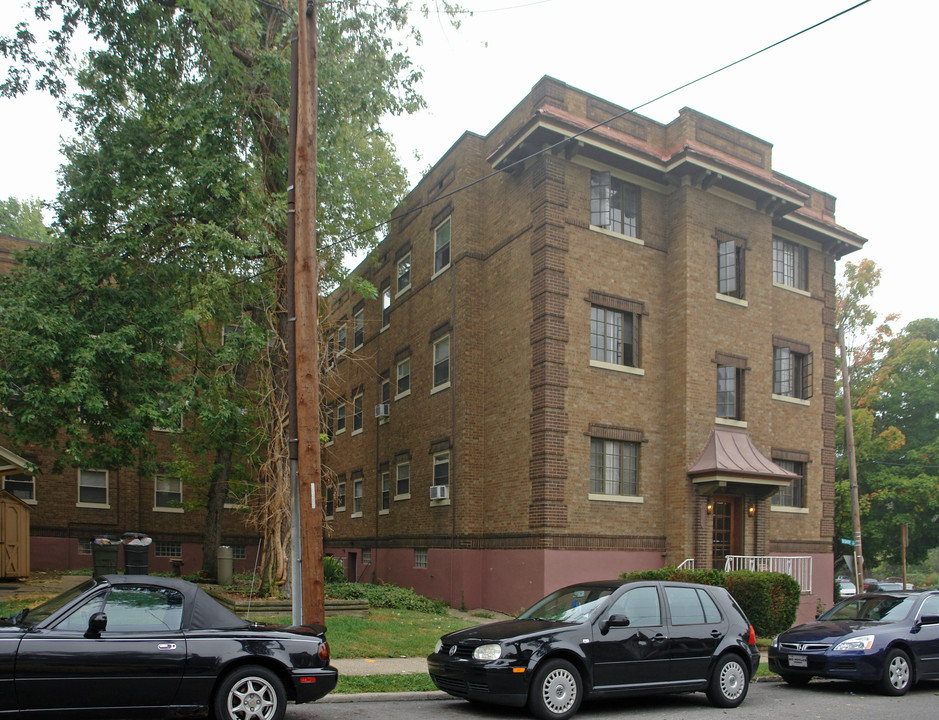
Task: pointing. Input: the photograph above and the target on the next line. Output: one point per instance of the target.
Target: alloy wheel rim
(252, 698)
(559, 691)
(732, 680)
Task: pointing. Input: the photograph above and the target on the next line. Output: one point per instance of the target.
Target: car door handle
(716, 634)
(166, 646)
(658, 638)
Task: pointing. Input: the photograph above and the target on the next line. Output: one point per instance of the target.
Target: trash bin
(225, 564)
(104, 555)
(136, 553)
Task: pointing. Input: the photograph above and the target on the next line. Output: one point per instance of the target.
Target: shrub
(386, 596)
(333, 571)
(770, 600)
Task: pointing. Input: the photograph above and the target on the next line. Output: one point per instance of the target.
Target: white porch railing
(686, 564)
(799, 567)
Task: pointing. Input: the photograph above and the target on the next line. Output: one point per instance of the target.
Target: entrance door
(725, 539)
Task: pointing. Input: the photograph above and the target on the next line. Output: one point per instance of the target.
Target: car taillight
(752, 640)
(323, 653)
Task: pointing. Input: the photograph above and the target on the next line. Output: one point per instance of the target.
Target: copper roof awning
(730, 462)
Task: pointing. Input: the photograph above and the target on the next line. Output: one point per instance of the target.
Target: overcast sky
(849, 106)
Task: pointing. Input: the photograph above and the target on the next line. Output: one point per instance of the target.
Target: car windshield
(570, 604)
(41, 612)
(881, 608)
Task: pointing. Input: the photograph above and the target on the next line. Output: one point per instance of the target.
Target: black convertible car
(890, 639)
(604, 639)
(124, 645)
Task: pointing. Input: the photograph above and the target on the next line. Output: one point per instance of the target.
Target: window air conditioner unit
(439, 492)
(382, 410)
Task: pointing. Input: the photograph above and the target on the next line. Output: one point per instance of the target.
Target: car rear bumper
(311, 684)
(490, 682)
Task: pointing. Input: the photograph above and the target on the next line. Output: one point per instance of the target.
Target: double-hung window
(357, 413)
(341, 417)
(22, 485)
(385, 490)
(790, 264)
(167, 494)
(357, 490)
(404, 274)
(442, 363)
(614, 204)
(358, 328)
(442, 468)
(403, 371)
(614, 467)
(403, 478)
(93, 487)
(442, 246)
(792, 369)
(385, 307)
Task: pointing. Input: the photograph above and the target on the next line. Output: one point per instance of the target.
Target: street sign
(846, 541)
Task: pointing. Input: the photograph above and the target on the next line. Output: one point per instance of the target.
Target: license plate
(798, 661)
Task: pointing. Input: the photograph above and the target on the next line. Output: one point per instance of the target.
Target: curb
(385, 697)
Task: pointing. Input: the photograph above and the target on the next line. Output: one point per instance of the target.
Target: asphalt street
(821, 700)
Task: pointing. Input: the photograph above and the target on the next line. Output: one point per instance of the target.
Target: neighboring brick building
(585, 364)
(70, 506)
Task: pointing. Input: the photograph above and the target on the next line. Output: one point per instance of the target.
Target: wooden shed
(14, 522)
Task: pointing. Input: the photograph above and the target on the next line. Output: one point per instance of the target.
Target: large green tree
(895, 393)
(23, 219)
(162, 296)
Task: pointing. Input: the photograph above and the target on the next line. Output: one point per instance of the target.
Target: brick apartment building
(616, 354)
(70, 506)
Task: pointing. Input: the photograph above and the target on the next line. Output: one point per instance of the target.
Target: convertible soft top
(200, 610)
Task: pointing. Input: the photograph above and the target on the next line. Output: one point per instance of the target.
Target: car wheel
(250, 692)
(729, 682)
(898, 673)
(556, 691)
(795, 680)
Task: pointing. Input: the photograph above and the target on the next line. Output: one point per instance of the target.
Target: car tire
(250, 692)
(795, 680)
(898, 673)
(556, 691)
(729, 682)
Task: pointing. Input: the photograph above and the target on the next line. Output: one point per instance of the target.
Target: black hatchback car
(890, 639)
(603, 639)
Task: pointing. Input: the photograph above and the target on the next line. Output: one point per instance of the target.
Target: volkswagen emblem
(453, 649)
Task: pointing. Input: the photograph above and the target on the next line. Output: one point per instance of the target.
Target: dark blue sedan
(890, 639)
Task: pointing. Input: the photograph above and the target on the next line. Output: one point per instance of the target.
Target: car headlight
(861, 642)
(775, 642)
(439, 646)
(492, 651)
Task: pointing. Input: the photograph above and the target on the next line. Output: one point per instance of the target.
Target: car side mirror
(97, 624)
(929, 620)
(613, 621)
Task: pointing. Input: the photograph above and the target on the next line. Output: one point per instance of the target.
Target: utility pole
(306, 284)
(852, 463)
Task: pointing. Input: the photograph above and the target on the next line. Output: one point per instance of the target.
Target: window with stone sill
(614, 467)
(794, 494)
(614, 204)
(790, 264)
(792, 371)
(442, 246)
